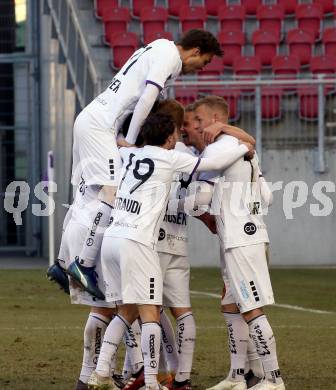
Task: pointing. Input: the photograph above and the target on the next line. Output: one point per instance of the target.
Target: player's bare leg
(83, 268)
(262, 335)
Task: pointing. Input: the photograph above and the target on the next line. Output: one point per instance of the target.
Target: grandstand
(278, 74)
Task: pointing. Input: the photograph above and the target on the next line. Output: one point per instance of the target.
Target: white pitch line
(283, 306)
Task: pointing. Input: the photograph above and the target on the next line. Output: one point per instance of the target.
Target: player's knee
(128, 312)
(107, 194)
(252, 314)
(230, 308)
(180, 311)
(104, 311)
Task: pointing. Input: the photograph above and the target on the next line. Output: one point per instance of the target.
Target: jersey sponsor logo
(130, 339)
(98, 340)
(250, 228)
(82, 186)
(129, 205)
(89, 241)
(153, 364)
(178, 219)
(180, 332)
(125, 225)
(115, 85)
(162, 234)
(254, 208)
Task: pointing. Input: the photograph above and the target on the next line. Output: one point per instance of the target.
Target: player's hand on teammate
(251, 149)
(211, 132)
(122, 143)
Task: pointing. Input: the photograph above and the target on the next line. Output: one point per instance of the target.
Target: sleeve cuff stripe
(154, 83)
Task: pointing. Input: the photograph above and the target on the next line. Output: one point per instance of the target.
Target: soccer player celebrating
(135, 88)
(237, 203)
(131, 265)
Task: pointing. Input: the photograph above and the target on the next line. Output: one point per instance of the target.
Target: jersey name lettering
(114, 86)
(179, 219)
(129, 205)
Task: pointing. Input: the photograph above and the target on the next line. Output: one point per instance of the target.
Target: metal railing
(280, 113)
(75, 51)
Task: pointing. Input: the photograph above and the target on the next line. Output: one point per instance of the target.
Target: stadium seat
(286, 68)
(102, 5)
(289, 6)
(270, 17)
(324, 65)
(247, 66)
(231, 17)
(300, 43)
(192, 17)
(250, 6)
(186, 95)
(115, 21)
(232, 43)
(271, 103)
(157, 35)
(215, 68)
(153, 20)
(212, 6)
(308, 103)
(329, 41)
(265, 45)
(138, 5)
(232, 97)
(327, 5)
(309, 17)
(175, 5)
(123, 45)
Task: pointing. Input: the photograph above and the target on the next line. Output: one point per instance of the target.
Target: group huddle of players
(124, 248)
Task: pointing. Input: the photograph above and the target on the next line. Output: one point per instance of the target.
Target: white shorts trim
(176, 276)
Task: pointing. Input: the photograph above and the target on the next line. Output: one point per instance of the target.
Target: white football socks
(238, 334)
(168, 342)
(150, 345)
(133, 346)
(262, 335)
(127, 367)
(185, 339)
(93, 336)
(253, 360)
(113, 337)
(94, 237)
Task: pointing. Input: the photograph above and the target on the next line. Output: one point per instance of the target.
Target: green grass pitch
(41, 333)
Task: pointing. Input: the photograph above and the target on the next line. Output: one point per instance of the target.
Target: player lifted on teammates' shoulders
(96, 159)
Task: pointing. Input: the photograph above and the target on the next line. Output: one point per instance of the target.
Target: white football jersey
(236, 200)
(144, 189)
(173, 235)
(154, 64)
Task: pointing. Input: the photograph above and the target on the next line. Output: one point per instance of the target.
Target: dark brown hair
(204, 40)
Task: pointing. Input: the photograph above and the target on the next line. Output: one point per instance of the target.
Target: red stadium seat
(286, 68)
(138, 5)
(212, 6)
(232, 43)
(102, 5)
(192, 17)
(157, 35)
(329, 41)
(324, 65)
(232, 98)
(300, 43)
(123, 45)
(265, 45)
(115, 21)
(247, 66)
(231, 17)
(271, 103)
(289, 6)
(270, 17)
(327, 5)
(250, 6)
(153, 20)
(308, 103)
(175, 5)
(309, 18)
(215, 68)
(186, 95)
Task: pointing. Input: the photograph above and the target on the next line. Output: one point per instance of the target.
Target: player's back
(154, 64)
(144, 190)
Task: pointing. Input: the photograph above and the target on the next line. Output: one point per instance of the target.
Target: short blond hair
(213, 101)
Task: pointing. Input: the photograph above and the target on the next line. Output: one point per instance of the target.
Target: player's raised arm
(211, 132)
